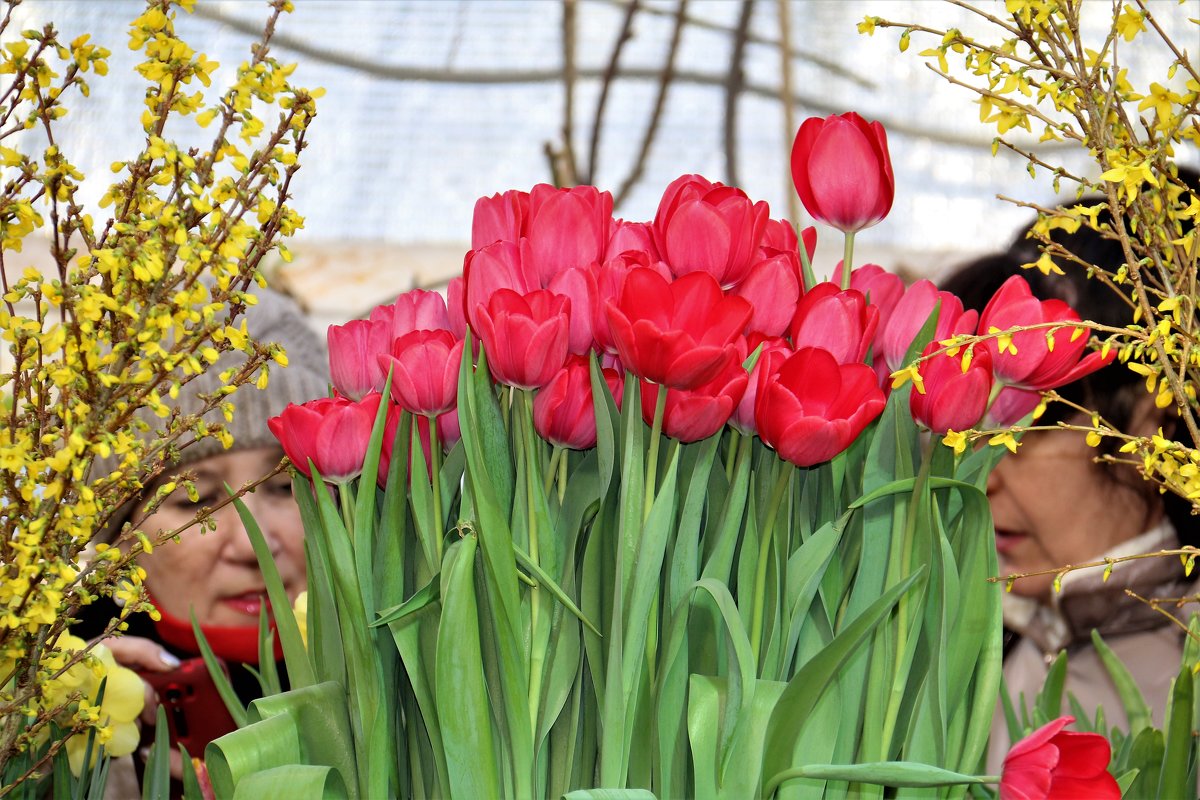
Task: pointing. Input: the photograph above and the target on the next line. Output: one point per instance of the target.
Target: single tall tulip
(680, 334)
(690, 415)
(1028, 361)
(424, 367)
(843, 172)
(812, 407)
(954, 399)
(331, 432)
(563, 413)
(1053, 763)
(839, 321)
(525, 336)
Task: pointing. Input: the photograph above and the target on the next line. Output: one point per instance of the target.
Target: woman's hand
(142, 655)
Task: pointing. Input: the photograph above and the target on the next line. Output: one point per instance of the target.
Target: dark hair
(1114, 391)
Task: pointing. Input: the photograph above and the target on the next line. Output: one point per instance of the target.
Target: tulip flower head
(954, 399)
(525, 336)
(680, 333)
(424, 367)
(354, 350)
(709, 227)
(694, 414)
(843, 172)
(839, 321)
(1029, 359)
(1053, 763)
(563, 413)
(330, 432)
(812, 407)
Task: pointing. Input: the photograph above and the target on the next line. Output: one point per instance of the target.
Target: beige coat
(1148, 643)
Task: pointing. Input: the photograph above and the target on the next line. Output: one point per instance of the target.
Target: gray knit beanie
(275, 318)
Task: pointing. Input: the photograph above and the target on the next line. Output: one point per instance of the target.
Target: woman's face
(216, 573)
(1053, 506)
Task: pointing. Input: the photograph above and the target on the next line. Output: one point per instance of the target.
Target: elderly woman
(215, 575)
(1054, 503)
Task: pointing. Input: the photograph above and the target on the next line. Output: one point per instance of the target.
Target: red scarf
(232, 643)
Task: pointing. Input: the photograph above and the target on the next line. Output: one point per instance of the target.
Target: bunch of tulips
(644, 506)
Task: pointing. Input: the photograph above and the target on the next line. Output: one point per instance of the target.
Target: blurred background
(433, 103)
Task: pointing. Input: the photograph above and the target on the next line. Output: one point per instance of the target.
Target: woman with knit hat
(213, 573)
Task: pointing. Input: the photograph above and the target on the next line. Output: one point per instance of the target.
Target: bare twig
(734, 80)
(610, 72)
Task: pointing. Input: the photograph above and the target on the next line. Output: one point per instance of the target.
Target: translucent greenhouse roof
(432, 103)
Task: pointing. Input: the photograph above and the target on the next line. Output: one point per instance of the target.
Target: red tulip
(354, 349)
(839, 321)
(812, 407)
(1034, 365)
(772, 288)
(424, 367)
(503, 265)
(610, 280)
(563, 413)
(954, 399)
(680, 334)
(331, 432)
(911, 312)
(1053, 764)
(709, 227)
(631, 237)
(774, 352)
(501, 217)
(842, 171)
(567, 228)
(415, 310)
(525, 336)
(694, 414)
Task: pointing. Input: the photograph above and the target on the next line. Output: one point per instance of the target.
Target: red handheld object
(195, 712)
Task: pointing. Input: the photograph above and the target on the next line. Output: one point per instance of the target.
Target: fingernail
(144, 753)
(168, 659)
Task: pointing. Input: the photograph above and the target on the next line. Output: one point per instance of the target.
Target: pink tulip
(503, 265)
(680, 334)
(567, 228)
(694, 414)
(774, 352)
(882, 289)
(811, 408)
(456, 311)
(525, 336)
(772, 288)
(501, 217)
(1012, 405)
(911, 312)
(628, 237)
(425, 367)
(354, 349)
(709, 227)
(563, 413)
(1053, 764)
(954, 399)
(843, 172)
(835, 320)
(332, 433)
(1035, 365)
(579, 286)
(415, 310)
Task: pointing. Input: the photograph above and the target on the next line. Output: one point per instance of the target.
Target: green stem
(556, 456)
(346, 502)
(435, 468)
(764, 555)
(562, 478)
(735, 446)
(660, 408)
(847, 259)
(537, 651)
(810, 279)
